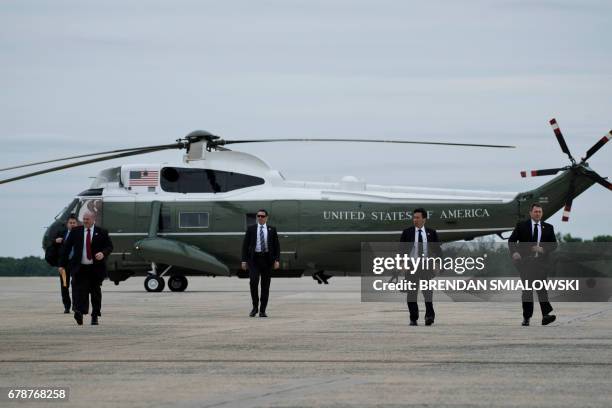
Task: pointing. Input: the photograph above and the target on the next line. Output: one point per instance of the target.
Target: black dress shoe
(94, 319)
(525, 322)
(253, 313)
(548, 319)
(79, 318)
(263, 314)
(413, 323)
(67, 310)
(429, 321)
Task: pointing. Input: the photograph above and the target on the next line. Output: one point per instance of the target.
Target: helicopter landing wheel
(177, 283)
(154, 283)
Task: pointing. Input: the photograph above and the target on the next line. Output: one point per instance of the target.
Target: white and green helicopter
(188, 218)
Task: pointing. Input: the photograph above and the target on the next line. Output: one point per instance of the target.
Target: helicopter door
(285, 216)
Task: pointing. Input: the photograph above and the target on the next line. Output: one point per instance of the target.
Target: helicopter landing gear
(154, 283)
(321, 277)
(177, 283)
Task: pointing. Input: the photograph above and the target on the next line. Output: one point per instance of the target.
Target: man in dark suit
(64, 274)
(260, 253)
(424, 243)
(91, 246)
(530, 245)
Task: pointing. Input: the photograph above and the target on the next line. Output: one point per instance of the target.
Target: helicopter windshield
(63, 215)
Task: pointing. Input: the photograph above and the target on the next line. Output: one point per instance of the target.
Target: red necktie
(88, 244)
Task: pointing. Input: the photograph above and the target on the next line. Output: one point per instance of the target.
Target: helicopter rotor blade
(570, 195)
(543, 172)
(568, 201)
(94, 160)
(87, 155)
(226, 142)
(567, 208)
(561, 139)
(599, 180)
(600, 143)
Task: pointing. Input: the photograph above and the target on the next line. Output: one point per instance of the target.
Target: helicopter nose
(50, 232)
(46, 239)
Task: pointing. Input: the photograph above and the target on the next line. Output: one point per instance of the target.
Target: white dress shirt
(265, 231)
(84, 260)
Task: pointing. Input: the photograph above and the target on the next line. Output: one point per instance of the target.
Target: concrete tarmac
(320, 347)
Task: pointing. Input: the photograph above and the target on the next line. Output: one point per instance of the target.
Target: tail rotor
(582, 166)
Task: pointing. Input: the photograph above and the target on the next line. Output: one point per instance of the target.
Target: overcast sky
(81, 76)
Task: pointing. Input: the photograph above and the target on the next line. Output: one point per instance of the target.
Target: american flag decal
(147, 178)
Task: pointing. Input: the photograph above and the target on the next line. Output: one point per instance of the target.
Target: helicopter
(189, 217)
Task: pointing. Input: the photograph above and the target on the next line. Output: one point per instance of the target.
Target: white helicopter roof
(276, 187)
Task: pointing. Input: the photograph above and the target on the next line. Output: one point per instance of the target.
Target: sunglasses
(261, 216)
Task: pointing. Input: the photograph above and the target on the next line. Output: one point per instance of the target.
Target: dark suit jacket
(100, 242)
(250, 241)
(522, 235)
(432, 238)
(61, 247)
(53, 253)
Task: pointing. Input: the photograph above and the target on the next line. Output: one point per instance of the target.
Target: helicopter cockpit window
(187, 180)
(69, 209)
(193, 220)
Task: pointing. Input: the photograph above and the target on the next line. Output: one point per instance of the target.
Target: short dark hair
(72, 217)
(263, 210)
(420, 210)
(535, 205)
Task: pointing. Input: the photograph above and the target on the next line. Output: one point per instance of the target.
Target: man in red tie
(92, 246)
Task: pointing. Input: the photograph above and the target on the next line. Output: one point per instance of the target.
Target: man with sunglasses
(260, 253)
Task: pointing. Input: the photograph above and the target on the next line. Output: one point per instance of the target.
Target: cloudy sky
(80, 76)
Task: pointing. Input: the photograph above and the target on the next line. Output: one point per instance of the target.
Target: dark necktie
(262, 240)
(88, 244)
(534, 235)
(419, 243)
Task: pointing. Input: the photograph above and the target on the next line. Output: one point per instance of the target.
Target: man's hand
(59, 240)
(276, 265)
(243, 265)
(538, 249)
(61, 270)
(516, 256)
(99, 256)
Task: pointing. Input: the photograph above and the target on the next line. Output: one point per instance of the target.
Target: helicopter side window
(193, 220)
(187, 180)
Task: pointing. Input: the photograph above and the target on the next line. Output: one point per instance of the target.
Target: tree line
(36, 266)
